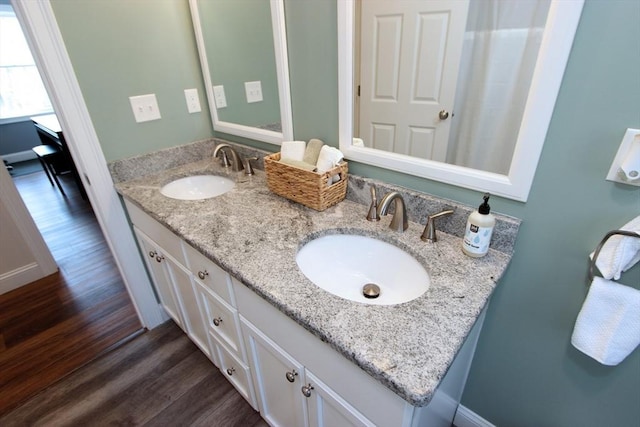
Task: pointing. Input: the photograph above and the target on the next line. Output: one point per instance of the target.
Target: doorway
(54, 325)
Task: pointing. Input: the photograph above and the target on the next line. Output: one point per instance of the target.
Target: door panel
(409, 58)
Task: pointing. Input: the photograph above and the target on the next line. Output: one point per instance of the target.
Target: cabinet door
(184, 289)
(278, 379)
(156, 263)
(328, 409)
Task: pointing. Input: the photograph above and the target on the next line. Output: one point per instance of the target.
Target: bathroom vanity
(224, 269)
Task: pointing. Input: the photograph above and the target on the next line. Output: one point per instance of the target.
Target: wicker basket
(311, 189)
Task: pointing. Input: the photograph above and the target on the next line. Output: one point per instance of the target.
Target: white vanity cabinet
(280, 368)
(289, 394)
(198, 295)
(159, 269)
(326, 389)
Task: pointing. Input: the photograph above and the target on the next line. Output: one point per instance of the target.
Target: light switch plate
(219, 97)
(193, 101)
(254, 91)
(145, 107)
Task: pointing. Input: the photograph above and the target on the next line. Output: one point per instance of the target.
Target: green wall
(121, 48)
(525, 372)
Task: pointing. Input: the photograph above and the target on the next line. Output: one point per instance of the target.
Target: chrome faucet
(399, 221)
(429, 233)
(236, 162)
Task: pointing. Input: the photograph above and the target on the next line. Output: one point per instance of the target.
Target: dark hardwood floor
(53, 326)
(158, 379)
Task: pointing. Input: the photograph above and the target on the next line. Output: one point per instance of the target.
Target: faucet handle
(373, 208)
(429, 233)
(248, 169)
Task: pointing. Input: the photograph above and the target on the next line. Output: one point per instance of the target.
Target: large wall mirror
(243, 54)
(460, 92)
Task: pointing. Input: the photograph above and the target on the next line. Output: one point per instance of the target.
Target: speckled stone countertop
(255, 235)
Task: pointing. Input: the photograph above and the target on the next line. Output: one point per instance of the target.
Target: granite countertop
(255, 235)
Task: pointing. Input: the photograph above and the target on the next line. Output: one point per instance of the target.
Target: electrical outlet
(254, 91)
(193, 101)
(145, 107)
(219, 97)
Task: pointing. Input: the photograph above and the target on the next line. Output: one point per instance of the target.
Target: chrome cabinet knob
(159, 258)
(217, 321)
(203, 274)
(306, 390)
(444, 115)
(230, 371)
(153, 254)
(291, 375)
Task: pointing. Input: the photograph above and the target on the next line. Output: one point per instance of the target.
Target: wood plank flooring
(53, 326)
(158, 379)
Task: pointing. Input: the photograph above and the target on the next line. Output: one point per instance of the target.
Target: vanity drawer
(209, 274)
(236, 371)
(222, 320)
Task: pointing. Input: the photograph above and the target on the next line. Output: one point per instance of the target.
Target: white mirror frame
(282, 70)
(557, 40)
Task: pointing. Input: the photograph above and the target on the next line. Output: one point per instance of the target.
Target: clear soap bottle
(477, 234)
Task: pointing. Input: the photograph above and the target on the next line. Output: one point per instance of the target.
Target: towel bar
(601, 244)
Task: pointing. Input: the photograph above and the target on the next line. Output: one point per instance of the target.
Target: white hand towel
(608, 325)
(620, 253)
(292, 150)
(357, 142)
(328, 159)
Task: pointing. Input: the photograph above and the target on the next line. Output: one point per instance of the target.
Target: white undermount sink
(197, 187)
(343, 264)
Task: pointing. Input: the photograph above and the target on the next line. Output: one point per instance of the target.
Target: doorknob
(444, 115)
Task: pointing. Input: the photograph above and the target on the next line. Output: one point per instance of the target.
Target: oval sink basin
(344, 264)
(197, 187)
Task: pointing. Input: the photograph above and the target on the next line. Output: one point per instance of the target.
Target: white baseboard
(19, 277)
(20, 156)
(465, 417)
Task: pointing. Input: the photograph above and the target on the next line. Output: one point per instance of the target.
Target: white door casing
(409, 59)
(47, 46)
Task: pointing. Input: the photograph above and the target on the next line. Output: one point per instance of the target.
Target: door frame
(47, 47)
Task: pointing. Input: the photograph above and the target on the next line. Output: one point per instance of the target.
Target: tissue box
(312, 189)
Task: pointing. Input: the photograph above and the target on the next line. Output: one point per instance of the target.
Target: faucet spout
(236, 162)
(399, 222)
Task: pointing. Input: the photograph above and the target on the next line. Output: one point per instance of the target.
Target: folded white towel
(620, 253)
(292, 150)
(328, 159)
(608, 325)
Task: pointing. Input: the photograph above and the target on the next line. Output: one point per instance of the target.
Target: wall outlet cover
(219, 96)
(193, 100)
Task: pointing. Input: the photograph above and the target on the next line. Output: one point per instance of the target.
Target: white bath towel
(292, 150)
(620, 253)
(608, 325)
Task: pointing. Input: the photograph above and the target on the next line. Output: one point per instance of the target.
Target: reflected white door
(409, 59)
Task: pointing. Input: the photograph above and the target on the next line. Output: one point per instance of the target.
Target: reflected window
(22, 93)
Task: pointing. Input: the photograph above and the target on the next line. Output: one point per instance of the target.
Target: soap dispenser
(477, 234)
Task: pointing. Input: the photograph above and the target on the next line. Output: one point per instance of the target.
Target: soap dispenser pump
(477, 234)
